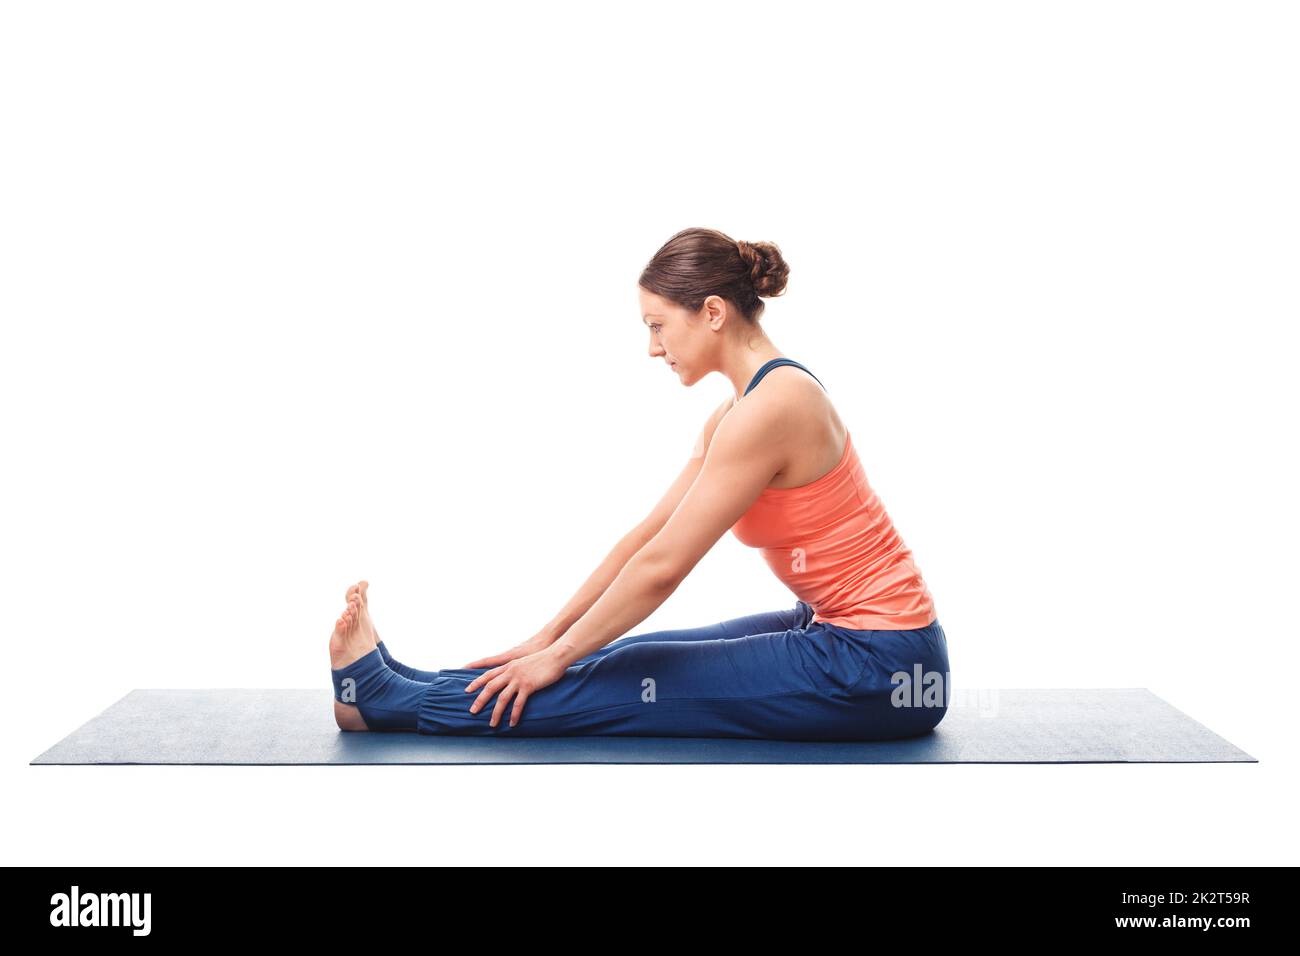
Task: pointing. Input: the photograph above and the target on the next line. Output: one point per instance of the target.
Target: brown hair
(697, 263)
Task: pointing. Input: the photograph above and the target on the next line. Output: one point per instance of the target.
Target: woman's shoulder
(705, 437)
(795, 414)
(790, 396)
(786, 405)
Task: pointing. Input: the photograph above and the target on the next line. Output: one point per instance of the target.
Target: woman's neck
(740, 370)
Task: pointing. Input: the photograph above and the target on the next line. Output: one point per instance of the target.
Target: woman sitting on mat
(861, 655)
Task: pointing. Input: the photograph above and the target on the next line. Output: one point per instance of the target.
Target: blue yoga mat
(292, 727)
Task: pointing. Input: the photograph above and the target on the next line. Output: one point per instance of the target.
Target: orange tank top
(834, 546)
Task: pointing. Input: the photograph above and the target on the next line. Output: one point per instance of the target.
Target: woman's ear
(715, 310)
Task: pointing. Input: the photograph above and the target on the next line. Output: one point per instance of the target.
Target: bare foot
(352, 638)
(359, 589)
(349, 642)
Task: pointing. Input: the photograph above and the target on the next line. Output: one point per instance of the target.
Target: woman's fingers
(507, 683)
(479, 681)
(502, 699)
(518, 710)
(489, 690)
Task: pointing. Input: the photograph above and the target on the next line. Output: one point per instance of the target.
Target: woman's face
(678, 337)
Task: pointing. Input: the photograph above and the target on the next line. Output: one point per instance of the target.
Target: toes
(350, 619)
(358, 592)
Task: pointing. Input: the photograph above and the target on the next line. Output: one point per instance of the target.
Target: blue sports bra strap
(774, 363)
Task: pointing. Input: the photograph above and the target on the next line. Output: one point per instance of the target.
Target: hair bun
(767, 267)
(698, 262)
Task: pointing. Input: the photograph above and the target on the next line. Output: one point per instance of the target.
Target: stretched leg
(814, 682)
(789, 684)
(763, 622)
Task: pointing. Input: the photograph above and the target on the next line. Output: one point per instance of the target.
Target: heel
(348, 717)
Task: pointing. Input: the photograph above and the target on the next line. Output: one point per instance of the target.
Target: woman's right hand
(538, 642)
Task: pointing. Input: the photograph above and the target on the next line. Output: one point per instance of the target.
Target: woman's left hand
(516, 679)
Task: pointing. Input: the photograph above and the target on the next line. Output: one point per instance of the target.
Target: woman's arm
(608, 569)
(634, 540)
(740, 463)
(743, 457)
(596, 583)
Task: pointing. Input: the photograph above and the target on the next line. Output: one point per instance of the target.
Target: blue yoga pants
(774, 675)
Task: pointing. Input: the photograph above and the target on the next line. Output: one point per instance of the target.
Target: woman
(861, 655)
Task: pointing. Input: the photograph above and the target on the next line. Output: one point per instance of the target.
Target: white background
(295, 294)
